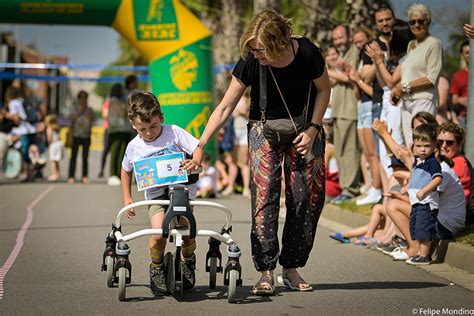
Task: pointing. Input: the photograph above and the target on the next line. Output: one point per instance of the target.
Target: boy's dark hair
(425, 133)
(144, 105)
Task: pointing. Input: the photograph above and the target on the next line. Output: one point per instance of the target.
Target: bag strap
(284, 102)
(263, 91)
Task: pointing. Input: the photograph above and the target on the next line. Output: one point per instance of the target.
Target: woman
(450, 141)
(296, 64)
(420, 70)
(120, 132)
(81, 121)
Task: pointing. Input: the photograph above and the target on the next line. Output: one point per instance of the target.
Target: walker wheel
(212, 272)
(233, 275)
(170, 276)
(109, 262)
(122, 275)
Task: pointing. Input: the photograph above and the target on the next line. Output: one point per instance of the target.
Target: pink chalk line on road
(20, 238)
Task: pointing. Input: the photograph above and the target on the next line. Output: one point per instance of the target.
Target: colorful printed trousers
(304, 190)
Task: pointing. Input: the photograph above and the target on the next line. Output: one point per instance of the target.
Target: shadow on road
(376, 285)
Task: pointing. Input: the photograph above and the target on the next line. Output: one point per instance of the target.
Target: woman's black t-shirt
(293, 81)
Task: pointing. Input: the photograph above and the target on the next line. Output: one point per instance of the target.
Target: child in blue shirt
(424, 199)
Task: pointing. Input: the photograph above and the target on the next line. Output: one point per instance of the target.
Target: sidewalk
(455, 254)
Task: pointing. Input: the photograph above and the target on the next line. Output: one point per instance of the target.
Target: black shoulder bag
(280, 131)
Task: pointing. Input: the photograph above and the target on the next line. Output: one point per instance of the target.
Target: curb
(454, 254)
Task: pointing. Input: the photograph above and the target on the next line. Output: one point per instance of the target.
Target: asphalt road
(57, 269)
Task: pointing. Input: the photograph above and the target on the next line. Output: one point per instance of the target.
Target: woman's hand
(469, 30)
(397, 93)
(394, 195)
(374, 52)
(191, 165)
(354, 75)
(304, 141)
(131, 212)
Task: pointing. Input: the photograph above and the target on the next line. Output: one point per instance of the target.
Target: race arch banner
(175, 42)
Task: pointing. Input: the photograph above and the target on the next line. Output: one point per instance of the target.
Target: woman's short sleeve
(242, 70)
(314, 57)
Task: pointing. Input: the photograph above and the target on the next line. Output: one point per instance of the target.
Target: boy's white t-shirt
(452, 203)
(172, 139)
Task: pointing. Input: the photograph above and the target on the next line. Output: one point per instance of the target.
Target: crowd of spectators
(392, 90)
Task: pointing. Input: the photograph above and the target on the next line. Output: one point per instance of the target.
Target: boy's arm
(126, 178)
(429, 187)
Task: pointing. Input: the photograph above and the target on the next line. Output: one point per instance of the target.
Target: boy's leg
(157, 249)
(188, 258)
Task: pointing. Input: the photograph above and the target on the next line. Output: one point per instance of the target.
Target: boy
(155, 139)
(424, 199)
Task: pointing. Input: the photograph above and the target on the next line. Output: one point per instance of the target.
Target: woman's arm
(304, 141)
(222, 112)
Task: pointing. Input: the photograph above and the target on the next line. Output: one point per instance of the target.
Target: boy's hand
(131, 212)
(420, 195)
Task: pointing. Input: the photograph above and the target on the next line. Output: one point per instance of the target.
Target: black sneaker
(389, 248)
(157, 280)
(419, 260)
(189, 276)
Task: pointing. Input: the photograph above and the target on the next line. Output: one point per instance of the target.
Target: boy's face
(148, 131)
(423, 149)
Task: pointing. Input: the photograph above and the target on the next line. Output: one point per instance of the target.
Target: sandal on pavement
(339, 237)
(264, 286)
(302, 286)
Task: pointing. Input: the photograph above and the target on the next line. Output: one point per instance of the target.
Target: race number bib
(159, 171)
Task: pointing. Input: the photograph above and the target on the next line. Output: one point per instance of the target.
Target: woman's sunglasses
(449, 143)
(260, 51)
(419, 21)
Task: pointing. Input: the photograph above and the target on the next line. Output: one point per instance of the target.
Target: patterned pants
(304, 190)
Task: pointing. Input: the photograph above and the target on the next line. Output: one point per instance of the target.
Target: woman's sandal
(264, 286)
(302, 286)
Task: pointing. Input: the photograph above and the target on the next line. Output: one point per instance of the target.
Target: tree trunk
(226, 40)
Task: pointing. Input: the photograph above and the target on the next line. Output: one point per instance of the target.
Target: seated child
(207, 184)
(424, 198)
(55, 146)
(155, 139)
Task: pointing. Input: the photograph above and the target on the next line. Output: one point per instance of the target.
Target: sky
(99, 45)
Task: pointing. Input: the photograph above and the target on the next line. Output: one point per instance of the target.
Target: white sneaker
(373, 196)
(400, 256)
(394, 252)
(114, 181)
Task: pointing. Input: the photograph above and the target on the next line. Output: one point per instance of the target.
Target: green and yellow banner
(165, 32)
